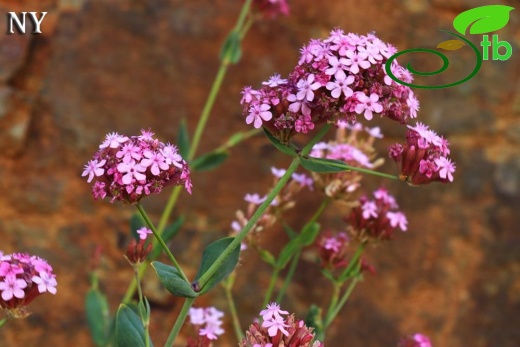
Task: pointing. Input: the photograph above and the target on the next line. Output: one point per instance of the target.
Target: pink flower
(397, 218)
(113, 140)
(143, 233)
(336, 66)
(254, 199)
(413, 105)
(12, 287)
(368, 105)
(275, 81)
(306, 88)
(273, 310)
(155, 161)
(369, 209)
(128, 152)
(274, 325)
(356, 60)
(46, 282)
(340, 85)
(303, 124)
(131, 170)
(446, 168)
(93, 168)
(259, 113)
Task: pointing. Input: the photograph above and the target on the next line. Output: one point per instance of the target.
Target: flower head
(416, 340)
(424, 157)
(130, 168)
(208, 321)
(22, 279)
(376, 219)
(332, 250)
(336, 79)
(277, 330)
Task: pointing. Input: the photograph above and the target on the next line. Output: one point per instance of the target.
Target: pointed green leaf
(309, 234)
(129, 328)
(169, 232)
(485, 19)
(284, 148)
(314, 320)
(323, 165)
(183, 139)
(98, 316)
(267, 257)
(209, 161)
(210, 254)
(172, 280)
(287, 252)
(231, 51)
(451, 45)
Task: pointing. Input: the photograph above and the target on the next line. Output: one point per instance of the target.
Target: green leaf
(209, 161)
(183, 139)
(231, 51)
(451, 45)
(485, 19)
(169, 232)
(129, 328)
(267, 257)
(287, 252)
(98, 316)
(210, 254)
(314, 319)
(172, 280)
(309, 234)
(323, 165)
(284, 148)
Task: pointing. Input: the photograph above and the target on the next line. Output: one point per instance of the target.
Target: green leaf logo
(451, 45)
(483, 19)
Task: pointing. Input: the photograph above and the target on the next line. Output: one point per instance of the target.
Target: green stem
(272, 282)
(256, 216)
(172, 200)
(288, 278)
(335, 310)
(161, 242)
(217, 83)
(228, 288)
(179, 322)
(261, 209)
(296, 256)
(3, 321)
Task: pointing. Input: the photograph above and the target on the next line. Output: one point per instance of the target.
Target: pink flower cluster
(337, 78)
(22, 278)
(353, 144)
(376, 219)
(276, 330)
(416, 340)
(332, 250)
(424, 157)
(209, 321)
(130, 168)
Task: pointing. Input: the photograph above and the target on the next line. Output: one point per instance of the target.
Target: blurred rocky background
(122, 65)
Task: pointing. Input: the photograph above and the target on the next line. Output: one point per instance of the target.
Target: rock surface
(103, 66)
